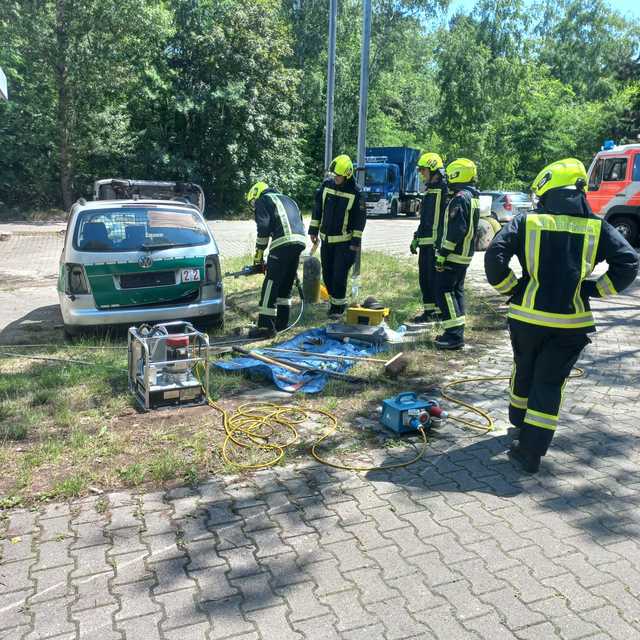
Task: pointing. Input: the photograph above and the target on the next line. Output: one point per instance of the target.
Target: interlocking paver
(457, 546)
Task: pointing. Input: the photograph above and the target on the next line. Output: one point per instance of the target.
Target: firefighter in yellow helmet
(338, 219)
(557, 245)
(278, 220)
(432, 208)
(454, 250)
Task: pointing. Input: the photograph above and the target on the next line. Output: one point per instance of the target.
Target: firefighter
(558, 246)
(277, 218)
(454, 250)
(338, 219)
(432, 209)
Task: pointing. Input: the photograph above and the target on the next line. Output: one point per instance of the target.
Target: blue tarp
(287, 380)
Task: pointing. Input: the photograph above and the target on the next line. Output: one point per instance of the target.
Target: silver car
(138, 260)
(505, 205)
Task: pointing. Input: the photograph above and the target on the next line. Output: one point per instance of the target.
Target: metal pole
(362, 122)
(331, 83)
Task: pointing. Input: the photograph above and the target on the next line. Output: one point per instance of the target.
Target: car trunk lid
(129, 284)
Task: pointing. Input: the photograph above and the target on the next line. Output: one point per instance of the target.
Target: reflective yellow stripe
(341, 194)
(337, 301)
(447, 244)
(294, 238)
(331, 239)
(445, 224)
(424, 242)
(262, 241)
(264, 308)
(532, 251)
(357, 234)
(436, 213)
(605, 286)
(547, 319)
(468, 239)
(507, 284)
(539, 419)
(429, 306)
(314, 224)
(283, 302)
(456, 322)
(517, 401)
(458, 259)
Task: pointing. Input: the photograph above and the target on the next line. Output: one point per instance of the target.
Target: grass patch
(65, 427)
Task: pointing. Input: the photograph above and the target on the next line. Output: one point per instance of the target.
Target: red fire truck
(614, 188)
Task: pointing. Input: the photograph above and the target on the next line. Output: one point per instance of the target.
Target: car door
(607, 180)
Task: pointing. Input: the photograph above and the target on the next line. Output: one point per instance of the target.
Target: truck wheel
(484, 235)
(394, 208)
(628, 228)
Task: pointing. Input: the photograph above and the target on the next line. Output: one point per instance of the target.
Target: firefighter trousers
(542, 361)
(275, 298)
(427, 275)
(337, 258)
(449, 291)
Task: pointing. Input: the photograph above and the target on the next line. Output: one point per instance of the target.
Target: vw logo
(145, 262)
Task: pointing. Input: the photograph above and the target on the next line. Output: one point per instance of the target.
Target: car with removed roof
(506, 205)
(140, 252)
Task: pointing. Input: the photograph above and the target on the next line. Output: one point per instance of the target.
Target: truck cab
(614, 188)
(391, 184)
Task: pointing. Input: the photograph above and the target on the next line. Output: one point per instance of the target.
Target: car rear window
(138, 228)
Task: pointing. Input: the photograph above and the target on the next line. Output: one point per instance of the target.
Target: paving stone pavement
(460, 545)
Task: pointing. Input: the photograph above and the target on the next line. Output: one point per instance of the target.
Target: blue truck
(392, 182)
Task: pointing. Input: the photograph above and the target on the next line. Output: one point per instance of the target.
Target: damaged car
(141, 251)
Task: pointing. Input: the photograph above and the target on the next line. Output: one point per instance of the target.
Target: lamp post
(362, 123)
(331, 83)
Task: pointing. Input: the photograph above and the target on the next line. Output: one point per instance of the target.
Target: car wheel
(71, 332)
(214, 321)
(628, 228)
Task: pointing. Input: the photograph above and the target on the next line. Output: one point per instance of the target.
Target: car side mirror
(593, 187)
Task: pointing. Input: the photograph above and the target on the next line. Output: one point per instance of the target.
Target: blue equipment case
(402, 414)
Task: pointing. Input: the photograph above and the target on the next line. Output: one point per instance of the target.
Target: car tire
(214, 321)
(71, 332)
(628, 228)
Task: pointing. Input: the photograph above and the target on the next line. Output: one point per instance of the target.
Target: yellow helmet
(256, 191)
(342, 166)
(431, 161)
(462, 170)
(569, 172)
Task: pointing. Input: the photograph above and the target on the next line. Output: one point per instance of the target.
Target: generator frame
(142, 384)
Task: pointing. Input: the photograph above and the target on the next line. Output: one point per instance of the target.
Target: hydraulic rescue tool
(408, 412)
(162, 361)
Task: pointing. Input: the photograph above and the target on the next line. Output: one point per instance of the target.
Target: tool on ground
(161, 362)
(249, 270)
(297, 367)
(363, 333)
(408, 412)
(392, 367)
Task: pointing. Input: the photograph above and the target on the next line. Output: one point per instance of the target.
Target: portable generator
(408, 412)
(162, 365)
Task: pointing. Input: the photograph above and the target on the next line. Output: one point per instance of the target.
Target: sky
(629, 8)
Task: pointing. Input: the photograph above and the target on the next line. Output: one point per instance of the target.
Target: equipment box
(362, 315)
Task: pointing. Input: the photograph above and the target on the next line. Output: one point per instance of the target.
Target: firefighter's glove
(413, 247)
(440, 260)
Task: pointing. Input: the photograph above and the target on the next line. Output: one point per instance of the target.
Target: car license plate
(190, 275)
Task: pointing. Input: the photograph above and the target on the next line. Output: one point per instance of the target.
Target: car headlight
(76, 280)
